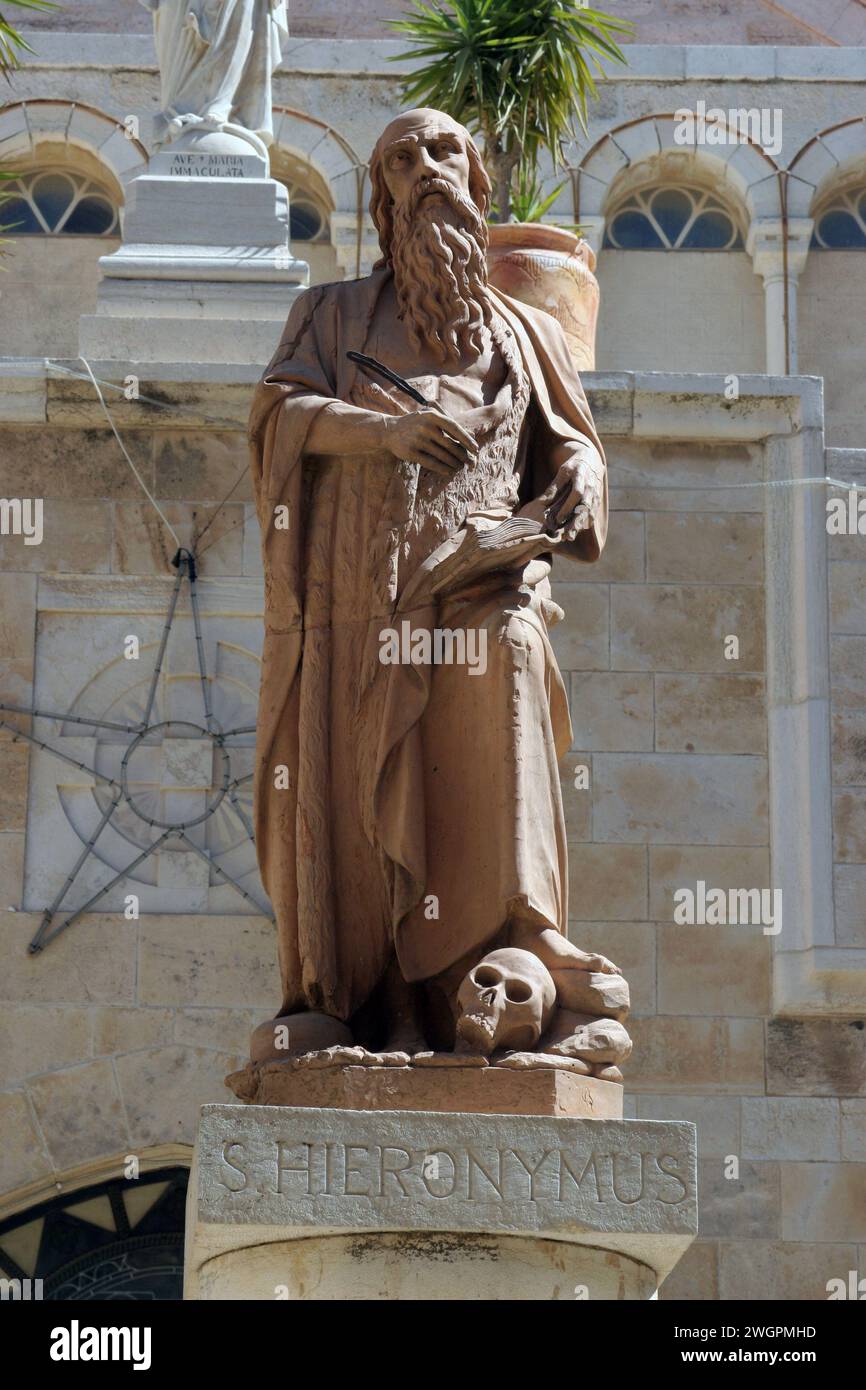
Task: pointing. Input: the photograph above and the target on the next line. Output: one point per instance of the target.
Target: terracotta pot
(549, 268)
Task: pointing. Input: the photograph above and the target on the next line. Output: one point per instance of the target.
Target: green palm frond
(6, 176)
(12, 44)
(528, 201)
(520, 72)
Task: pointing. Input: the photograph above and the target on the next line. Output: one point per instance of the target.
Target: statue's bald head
(419, 145)
(423, 121)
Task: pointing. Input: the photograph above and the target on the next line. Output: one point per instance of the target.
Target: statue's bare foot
(541, 1061)
(389, 1057)
(351, 1057)
(556, 951)
(339, 1056)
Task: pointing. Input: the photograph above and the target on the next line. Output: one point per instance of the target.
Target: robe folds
(420, 806)
(217, 59)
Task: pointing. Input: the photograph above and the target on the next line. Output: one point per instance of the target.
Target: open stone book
(508, 545)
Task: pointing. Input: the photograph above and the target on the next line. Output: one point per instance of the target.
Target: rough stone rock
(600, 1040)
(598, 995)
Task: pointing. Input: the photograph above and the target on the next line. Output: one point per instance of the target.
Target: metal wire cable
(142, 484)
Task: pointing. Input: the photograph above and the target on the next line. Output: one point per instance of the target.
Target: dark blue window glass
(91, 217)
(633, 231)
(840, 230)
(672, 210)
(711, 231)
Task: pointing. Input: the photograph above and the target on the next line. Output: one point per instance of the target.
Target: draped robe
(216, 61)
(418, 808)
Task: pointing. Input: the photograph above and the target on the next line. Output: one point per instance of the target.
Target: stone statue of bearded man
(216, 61)
(408, 808)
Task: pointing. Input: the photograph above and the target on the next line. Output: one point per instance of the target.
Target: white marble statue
(216, 61)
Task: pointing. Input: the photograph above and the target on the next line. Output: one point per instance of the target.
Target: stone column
(766, 246)
(327, 1202)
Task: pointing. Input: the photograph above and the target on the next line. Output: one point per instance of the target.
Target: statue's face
(421, 147)
(426, 178)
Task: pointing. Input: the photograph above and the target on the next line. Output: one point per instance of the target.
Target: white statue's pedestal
(288, 1202)
(204, 273)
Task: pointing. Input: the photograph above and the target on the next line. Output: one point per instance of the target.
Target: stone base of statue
(204, 273)
(308, 1203)
(432, 1081)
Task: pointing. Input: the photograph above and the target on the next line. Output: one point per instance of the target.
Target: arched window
(309, 201)
(840, 224)
(114, 1241)
(308, 220)
(672, 218)
(57, 201)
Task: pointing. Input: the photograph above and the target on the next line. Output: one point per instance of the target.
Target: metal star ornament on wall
(131, 794)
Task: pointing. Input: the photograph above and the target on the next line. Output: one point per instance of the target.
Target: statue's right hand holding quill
(427, 436)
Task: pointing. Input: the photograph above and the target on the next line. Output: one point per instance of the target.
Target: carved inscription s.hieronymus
(455, 1173)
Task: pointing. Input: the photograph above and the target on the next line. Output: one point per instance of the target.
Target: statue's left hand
(583, 471)
(583, 474)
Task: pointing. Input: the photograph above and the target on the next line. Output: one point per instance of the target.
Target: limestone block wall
(648, 314)
(46, 287)
(832, 303)
(675, 737)
(112, 1037)
(114, 1034)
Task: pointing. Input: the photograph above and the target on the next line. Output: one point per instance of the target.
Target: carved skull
(506, 1000)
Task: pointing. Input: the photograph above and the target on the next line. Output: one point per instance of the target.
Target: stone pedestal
(481, 1089)
(204, 273)
(293, 1202)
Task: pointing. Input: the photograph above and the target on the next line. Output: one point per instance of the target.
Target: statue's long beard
(440, 273)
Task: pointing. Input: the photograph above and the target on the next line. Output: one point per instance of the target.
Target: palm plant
(529, 202)
(518, 71)
(12, 45)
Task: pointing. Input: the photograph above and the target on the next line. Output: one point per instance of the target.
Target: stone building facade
(727, 380)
